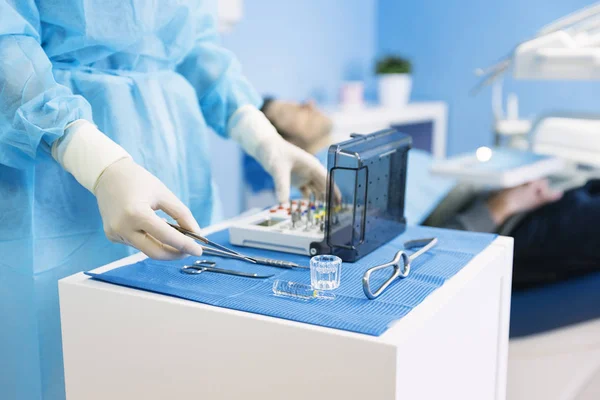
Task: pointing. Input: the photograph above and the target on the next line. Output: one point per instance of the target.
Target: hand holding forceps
(401, 264)
(222, 251)
(217, 248)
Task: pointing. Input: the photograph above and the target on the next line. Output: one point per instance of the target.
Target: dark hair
(267, 100)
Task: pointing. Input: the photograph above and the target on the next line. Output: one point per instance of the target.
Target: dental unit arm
(566, 49)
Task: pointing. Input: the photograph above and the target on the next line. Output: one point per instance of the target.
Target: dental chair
(554, 350)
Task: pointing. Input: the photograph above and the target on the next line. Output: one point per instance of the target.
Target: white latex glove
(127, 194)
(286, 163)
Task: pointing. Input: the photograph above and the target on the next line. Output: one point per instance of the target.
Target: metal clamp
(399, 272)
(400, 263)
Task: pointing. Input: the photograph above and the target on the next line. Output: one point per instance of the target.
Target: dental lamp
(566, 49)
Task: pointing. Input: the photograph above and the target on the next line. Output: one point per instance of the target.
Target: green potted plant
(394, 80)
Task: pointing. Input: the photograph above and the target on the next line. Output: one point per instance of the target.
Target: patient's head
(299, 123)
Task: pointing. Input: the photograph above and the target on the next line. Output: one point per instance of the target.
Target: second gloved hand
(127, 194)
(287, 164)
(291, 166)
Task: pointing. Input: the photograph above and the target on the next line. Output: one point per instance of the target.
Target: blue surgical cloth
(154, 78)
(350, 311)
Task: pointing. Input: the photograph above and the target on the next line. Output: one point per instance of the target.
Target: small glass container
(325, 272)
(299, 291)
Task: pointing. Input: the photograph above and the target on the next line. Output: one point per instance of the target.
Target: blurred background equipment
(568, 48)
(229, 13)
(498, 168)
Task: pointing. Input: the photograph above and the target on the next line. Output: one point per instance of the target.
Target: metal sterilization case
(364, 205)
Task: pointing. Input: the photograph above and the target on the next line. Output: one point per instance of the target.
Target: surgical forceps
(401, 264)
(219, 250)
(201, 266)
(223, 251)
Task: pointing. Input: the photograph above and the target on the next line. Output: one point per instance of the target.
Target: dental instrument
(400, 271)
(257, 260)
(204, 240)
(201, 266)
(277, 263)
(216, 252)
(226, 252)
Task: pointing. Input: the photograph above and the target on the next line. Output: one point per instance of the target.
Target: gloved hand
(286, 163)
(127, 194)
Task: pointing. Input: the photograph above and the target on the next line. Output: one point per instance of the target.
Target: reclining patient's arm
(488, 214)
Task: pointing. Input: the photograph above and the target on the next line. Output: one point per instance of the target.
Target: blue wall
(301, 49)
(448, 40)
(295, 51)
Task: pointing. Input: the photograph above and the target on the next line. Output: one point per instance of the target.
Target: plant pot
(394, 89)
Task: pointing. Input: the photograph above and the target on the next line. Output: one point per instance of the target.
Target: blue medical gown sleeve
(34, 109)
(216, 75)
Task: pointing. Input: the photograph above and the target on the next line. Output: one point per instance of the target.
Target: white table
(121, 343)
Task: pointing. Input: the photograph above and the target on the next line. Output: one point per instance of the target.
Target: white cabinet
(121, 343)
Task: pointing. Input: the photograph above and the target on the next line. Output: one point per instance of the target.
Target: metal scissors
(201, 266)
(401, 264)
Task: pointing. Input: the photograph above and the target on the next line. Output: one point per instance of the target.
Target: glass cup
(325, 272)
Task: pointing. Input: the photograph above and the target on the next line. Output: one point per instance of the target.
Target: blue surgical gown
(153, 77)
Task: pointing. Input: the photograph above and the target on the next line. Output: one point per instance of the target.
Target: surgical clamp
(400, 271)
(201, 266)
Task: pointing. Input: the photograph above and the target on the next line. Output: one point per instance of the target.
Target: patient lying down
(556, 234)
